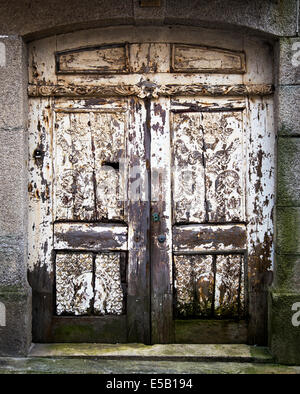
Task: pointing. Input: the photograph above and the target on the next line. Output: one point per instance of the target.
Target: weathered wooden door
(141, 195)
(198, 230)
(95, 221)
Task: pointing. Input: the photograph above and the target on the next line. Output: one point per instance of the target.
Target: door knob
(155, 217)
(161, 238)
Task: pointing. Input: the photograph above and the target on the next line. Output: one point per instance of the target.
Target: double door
(144, 230)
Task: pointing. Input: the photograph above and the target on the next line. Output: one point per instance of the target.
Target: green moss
(210, 331)
(288, 230)
(285, 130)
(260, 352)
(73, 332)
(13, 293)
(284, 338)
(288, 165)
(90, 349)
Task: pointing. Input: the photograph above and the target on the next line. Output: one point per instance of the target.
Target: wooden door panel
(90, 284)
(107, 59)
(89, 146)
(73, 167)
(97, 270)
(209, 237)
(104, 247)
(229, 299)
(224, 166)
(208, 159)
(138, 191)
(108, 139)
(74, 283)
(209, 286)
(194, 285)
(110, 284)
(90, 236)
(209, 230)
(188, 173)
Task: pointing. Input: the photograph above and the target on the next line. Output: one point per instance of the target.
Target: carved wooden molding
(104, 59)
(198, 59)
(148, 89)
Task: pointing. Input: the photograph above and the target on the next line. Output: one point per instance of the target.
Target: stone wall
(14, 290)
(284, 333)
(21, 21)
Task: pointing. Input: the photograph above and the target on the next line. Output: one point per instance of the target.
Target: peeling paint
(109, 150)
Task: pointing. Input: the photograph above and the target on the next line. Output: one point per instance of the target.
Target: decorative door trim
(149, 89)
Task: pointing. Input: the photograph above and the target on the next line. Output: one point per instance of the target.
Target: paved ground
(142, 359)
(88, 366)
(166, 352)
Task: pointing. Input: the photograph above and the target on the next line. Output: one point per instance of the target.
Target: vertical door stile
(138, 296)
(161, 226)
(40, 190)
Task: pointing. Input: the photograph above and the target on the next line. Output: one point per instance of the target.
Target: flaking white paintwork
(109, 295)
(40, 198)
(90, 132)
(74, 283)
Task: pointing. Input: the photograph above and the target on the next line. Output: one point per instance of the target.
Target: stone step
(165, 352)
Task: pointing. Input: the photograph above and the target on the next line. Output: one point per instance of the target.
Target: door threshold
(161, 352)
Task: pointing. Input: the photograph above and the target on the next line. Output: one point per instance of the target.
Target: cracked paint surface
(195, 148)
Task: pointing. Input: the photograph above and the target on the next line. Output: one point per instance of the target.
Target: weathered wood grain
(194, 285)
(149, 57)
(40, 185)
(223, 138)
(206, 237)
(229, 298)
(211, 331)
(194, 58)
(74, 167)
(261, 175)
(161, 252)
(40, 216)
(224, 166)
(88, 329)
(209, 286)
(90, 236)
(108, 145)
(138, 154)
(208, 156)
(188, 180)
(88, 179)
(93, 60)
(187, 88)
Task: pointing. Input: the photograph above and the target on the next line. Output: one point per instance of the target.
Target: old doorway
(151, 190)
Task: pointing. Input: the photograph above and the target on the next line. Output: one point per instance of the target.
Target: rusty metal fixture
(155, 217)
